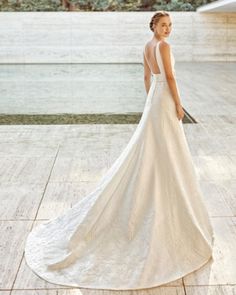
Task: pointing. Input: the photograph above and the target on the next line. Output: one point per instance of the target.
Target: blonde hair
(156, 17)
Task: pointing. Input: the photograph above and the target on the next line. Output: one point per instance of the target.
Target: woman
(161, 26)
(145, 224)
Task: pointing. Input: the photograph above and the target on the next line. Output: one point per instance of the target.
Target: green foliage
(30, 5)
(175, 5)
(106, 5)
(102, 5)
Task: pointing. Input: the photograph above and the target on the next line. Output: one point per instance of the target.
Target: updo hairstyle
(156, 17)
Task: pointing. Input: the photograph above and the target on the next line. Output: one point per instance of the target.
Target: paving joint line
(13, 283)
(185, 292)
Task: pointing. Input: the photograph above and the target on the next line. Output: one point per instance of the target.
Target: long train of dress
(145, 224)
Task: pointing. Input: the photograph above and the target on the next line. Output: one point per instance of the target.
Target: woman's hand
(179, 111)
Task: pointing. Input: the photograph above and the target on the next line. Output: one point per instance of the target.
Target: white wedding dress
(145, 224)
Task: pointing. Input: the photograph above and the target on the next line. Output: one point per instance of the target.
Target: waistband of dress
(159, 78)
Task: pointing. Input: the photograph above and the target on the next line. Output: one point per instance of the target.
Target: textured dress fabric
(145, 224)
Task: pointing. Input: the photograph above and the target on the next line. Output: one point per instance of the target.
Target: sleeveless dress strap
(162, 76)
(159, 61)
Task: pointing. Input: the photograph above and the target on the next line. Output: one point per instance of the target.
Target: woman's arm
(166, 58)
(147, 73)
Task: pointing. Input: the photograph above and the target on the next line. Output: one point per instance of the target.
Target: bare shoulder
(147, 44)
(164, 46)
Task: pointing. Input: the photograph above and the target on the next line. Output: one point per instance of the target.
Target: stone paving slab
(20, 201)
(153, 291)
(60, 196)
(13, 234)
(210, 290)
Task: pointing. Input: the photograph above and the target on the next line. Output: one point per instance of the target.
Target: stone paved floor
(45, 169)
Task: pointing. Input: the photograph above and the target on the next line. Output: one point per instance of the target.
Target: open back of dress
(152, 61)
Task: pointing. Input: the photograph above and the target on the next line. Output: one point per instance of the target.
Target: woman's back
(150, 55)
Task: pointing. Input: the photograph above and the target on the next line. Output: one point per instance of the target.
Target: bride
(145, 224)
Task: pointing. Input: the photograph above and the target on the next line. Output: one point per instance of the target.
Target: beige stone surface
(210, 290)
(152, 291)
(13, 234)
(116, 37)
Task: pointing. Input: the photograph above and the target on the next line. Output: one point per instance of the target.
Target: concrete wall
(97, 37)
